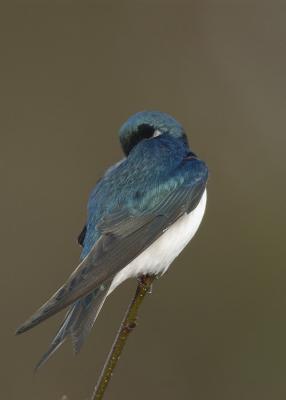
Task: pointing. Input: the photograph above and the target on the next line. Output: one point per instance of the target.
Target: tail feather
(78, 322)
(91, 306)
(60, 336)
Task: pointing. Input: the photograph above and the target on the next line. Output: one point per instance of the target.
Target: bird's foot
(145, 281)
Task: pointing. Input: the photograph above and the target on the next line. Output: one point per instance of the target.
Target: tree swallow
(141, 214)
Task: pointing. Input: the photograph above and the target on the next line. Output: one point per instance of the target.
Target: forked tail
(78, 322)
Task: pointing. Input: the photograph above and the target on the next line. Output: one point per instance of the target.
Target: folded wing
(124, 235)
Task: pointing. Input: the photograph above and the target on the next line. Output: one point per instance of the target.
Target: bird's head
(147, 125)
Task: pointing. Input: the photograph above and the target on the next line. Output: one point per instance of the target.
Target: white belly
(157, 258)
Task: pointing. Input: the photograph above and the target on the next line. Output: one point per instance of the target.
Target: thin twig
(127, 325)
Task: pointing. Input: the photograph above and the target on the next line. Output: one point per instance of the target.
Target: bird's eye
(157, 133)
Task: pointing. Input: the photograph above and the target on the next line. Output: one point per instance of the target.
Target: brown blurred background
(215, 325)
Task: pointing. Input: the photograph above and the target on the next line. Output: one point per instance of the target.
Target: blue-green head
(148, 124)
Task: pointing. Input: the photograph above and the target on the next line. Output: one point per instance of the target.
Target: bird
(140, 216)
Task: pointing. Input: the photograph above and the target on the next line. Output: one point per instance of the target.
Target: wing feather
(124, 235)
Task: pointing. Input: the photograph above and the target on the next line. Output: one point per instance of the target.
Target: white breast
(157, 258)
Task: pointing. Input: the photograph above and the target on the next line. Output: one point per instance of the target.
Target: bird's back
(134, 183)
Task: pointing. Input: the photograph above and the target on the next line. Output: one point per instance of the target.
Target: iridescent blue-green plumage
(131, 206)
